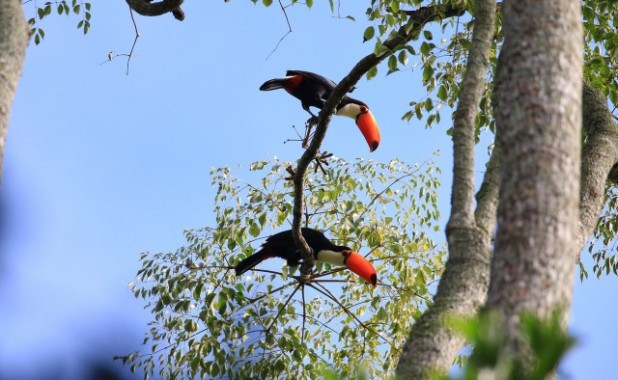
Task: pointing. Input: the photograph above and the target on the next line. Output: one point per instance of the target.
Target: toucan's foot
(313, 120)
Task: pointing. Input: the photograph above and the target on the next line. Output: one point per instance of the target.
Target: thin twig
(302, 333)
(287, 20)
(111, 55)
(134, 41)
(267, 331)
(332, 297)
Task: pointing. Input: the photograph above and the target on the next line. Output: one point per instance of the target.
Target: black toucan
(282, 245)
(313, 90)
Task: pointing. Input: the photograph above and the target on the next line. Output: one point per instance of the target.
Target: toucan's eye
(364, 109)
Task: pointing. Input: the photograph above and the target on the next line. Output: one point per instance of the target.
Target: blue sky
(101, 166)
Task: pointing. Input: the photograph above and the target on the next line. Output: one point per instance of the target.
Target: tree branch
(538, 119)
(432, 346)
(148, 8)
(599, 159)
(487, 196)
(416, 21)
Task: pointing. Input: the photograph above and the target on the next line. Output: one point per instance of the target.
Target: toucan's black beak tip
(374, 146)
(374, 279)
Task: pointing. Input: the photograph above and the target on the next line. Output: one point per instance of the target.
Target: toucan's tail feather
(274, 84)
(252, 261)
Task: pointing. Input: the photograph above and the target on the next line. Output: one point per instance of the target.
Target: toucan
(313, 90)
(282, 245)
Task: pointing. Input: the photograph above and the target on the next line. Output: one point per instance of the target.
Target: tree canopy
(285, 322)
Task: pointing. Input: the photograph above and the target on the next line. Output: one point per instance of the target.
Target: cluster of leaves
(603, 245)
(266, 324)
(545, 338)
(62, 7)
(601, 46)
(442, 62)
(308, 3)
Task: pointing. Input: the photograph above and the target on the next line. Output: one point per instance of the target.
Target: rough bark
(13, 42)
(538, 118)
(432, 345)
(599, 156)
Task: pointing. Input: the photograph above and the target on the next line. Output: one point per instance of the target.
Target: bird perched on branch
(313, 90)
(282, 245)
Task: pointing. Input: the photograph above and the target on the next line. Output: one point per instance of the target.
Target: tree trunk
(538, 118)
(13, 42)
(432, 345)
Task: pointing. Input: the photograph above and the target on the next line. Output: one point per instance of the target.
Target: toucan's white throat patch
(331, 257)
(350, 110)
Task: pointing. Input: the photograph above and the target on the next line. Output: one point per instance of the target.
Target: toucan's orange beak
(369, 128)
(359, 265)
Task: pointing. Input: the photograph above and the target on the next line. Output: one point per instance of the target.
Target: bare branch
(111, 55)
(287, 20)
(487, 196)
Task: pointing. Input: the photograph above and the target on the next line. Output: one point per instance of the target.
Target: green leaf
(403, 57)
(392, 63)
(372, 72)
(428, 71)
(369, 33)
(254, 230)
(426, 48)
(428, 104)
(465, 43)
(442, 93)
(190, 326)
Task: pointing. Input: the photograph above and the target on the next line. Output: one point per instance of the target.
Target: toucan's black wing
(282, 244)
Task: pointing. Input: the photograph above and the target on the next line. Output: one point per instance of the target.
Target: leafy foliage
(546, 340)
(62, 7)
(601, 46)
(603, 245)
(208, 322)
(440, 52)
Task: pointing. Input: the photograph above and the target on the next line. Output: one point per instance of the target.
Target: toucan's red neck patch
(293, 82)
